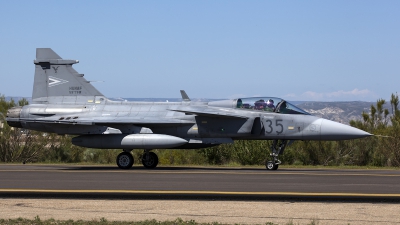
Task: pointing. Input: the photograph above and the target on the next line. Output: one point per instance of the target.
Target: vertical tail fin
(185, 97)
(56, 80)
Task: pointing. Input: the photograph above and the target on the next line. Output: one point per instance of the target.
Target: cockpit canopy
(270, 104)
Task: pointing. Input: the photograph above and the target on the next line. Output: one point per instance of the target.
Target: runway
(203, 194)
(199, 183)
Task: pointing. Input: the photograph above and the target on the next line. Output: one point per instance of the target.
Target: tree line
(382, 149)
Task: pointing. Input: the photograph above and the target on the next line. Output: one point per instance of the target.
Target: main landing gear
(125, 159)
(149, 159)
(277, 148)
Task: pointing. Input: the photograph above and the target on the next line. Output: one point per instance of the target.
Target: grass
(103, 221)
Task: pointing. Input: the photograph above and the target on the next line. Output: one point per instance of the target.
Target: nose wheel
(149, 159)
(271, 165)
(125, 160)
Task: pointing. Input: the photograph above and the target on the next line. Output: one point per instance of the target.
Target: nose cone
(336, 131)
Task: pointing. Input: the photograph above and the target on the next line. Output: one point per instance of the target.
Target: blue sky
(297, 50)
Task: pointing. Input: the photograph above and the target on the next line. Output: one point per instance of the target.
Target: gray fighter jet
(64, 102)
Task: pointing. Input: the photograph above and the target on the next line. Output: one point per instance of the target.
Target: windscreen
(287, 108)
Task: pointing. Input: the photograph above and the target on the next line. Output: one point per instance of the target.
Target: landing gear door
(274, 126)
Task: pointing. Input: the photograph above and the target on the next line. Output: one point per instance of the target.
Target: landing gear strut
(125, 159)
(149, 159)
(277, 148)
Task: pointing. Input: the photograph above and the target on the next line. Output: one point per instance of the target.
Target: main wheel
(150, 162)
(271, 165)
(125, 160)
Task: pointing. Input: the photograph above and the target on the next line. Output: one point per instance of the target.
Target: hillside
(341, 112)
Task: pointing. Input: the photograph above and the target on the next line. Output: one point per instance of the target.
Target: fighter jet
(64, 102)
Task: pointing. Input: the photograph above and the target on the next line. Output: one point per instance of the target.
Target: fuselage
(210, 122)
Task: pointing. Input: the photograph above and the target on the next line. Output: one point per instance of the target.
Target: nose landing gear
(277, 148)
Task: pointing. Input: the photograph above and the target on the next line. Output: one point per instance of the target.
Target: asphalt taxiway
(199, 183)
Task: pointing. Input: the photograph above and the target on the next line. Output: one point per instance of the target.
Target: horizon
(17, 98)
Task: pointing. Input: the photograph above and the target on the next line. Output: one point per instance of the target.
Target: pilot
(259, 105)
(270, 105)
